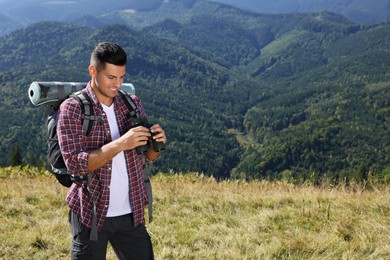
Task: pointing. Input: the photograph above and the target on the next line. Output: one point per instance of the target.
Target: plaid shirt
(76, 147)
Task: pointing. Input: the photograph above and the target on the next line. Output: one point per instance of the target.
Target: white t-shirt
(119, 186)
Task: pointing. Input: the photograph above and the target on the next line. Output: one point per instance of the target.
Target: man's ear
(92, 71)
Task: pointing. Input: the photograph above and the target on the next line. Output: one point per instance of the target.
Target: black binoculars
(157, 146)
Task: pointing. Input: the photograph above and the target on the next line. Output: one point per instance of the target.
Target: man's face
(107, 82)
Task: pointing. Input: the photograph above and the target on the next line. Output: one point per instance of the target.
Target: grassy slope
(198, 218)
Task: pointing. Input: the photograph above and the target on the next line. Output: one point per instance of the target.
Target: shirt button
(106, 206)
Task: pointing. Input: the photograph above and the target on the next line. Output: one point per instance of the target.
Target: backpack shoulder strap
(148, 186)
(130, 104)
(88, 118)
(87, 110)
(134, 112)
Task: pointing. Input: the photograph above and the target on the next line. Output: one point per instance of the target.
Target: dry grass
(199, 218)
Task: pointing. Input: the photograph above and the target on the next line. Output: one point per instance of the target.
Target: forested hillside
(239, 94)
(327, 99)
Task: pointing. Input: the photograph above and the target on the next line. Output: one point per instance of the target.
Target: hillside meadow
(196, 217)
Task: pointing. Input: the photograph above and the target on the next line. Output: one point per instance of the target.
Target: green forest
(240, 95)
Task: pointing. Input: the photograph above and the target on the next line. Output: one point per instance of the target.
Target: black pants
(127, 241)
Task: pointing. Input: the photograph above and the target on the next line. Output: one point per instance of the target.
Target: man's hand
(159, 136)
(135, 137)
(160, 133)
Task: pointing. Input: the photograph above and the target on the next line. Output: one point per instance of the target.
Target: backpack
(39, 95)
(58, 167)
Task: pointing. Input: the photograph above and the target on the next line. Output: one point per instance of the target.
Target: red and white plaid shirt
(76, 147)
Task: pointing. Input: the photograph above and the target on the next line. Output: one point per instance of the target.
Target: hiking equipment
(52, 94)
(58, 167)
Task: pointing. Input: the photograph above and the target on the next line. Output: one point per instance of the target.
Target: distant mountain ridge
(359, 11)
(25, 12)
(29, 11)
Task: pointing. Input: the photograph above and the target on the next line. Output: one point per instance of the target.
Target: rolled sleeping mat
(41, 93)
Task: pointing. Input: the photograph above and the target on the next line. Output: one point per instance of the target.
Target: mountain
(240, 94)
(359, 11)
(25, 12)
(300, 57)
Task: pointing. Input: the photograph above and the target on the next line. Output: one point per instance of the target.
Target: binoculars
(157, 146)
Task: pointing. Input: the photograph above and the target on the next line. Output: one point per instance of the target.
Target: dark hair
(107, 52)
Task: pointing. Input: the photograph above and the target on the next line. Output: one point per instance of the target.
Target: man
(116, 191)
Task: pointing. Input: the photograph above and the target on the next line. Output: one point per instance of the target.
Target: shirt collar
(92, 95)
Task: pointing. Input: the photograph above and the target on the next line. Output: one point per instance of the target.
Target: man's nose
(118, 82)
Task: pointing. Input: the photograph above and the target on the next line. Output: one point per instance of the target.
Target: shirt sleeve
(71, 139)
